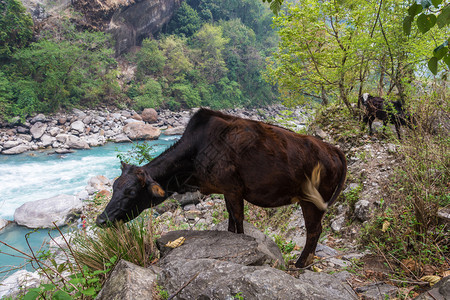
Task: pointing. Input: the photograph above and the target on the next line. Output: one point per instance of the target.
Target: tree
(150, 60)
(317, 54)
(430, 13)
(210, 43)
(16, 27)
(186, 21)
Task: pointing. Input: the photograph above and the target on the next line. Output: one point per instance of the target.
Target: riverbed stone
(149, 115)
(11, 144)
(121, 138)
(38, 118)
(141, 131)
(75, 142)
(38, 129)
(17, 150)
(174, 130)
(3, 223)
(78, 126)
(60, 209)
(20, 280)
(47, 140)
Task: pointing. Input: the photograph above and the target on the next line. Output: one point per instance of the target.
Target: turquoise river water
(38, 175)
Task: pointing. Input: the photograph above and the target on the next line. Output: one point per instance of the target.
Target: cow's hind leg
(313, 223)
(235, 208)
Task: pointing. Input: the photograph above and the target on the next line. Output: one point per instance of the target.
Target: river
(38, 175)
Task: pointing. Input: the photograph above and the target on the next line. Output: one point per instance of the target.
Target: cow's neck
(174, 168)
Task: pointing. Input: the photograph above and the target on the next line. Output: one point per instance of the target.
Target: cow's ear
(157, 190)
(125, 167)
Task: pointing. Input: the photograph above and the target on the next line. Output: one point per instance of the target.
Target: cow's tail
(311, 185)
(340, 185)
(310, 192)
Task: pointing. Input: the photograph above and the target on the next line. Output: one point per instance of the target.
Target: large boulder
(217, 279)
(20, 280)
(38, 129)
(149, 115)
(265, 244)
(17, 150)
(174, 130)
(60, 209)
(78, 126)
(75, 142)
(141, 131)
(238, 248)
(128, 281)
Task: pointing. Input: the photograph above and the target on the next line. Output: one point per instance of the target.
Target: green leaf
(414, 9)
(439, 52)
(31, 295)
(425, 3)
(436, 2)
(76, 281)
(425, 22)
(447, 59)
(61, 295)
(433, 64)
(89, 292)
(444, 17)
(407, 24)
(48, 286)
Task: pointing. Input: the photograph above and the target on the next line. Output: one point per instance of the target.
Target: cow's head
(133, 192)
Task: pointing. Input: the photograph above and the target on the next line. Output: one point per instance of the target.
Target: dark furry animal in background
(387, 111)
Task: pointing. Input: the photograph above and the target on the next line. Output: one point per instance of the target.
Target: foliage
(430, 13)
(148, 95)
(132, 241)
(409, 227)
(16, 28)
(185, 21)
(73, 69)
(149, 60)
(140, 153)
(329, 48)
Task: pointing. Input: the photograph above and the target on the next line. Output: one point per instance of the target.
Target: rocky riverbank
(65, 132)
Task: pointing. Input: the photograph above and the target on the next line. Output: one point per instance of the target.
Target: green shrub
(149, 95)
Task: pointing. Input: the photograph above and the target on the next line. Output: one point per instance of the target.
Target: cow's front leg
(313, 223)
(235, 208)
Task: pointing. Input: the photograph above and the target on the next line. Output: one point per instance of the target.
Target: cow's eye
(132, 193)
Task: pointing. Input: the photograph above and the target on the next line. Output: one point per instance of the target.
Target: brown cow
(266, 165)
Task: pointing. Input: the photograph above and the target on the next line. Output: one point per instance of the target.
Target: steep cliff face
(129, 21)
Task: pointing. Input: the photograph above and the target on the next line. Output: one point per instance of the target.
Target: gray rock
(174, 131)
(75, 142)
(444, 215)
(38, 129)
(23, 129)
(237, 248)
(350, 187)
(128, 281)
(338, 223)
(78, 126)
(20, 280)
(80, 114)
(47, 140)
(3, 223)
(38, 118)
(378, 290)
(17, 150)
(95, 140)
(216, 279)
(149, 115)
(141, 131)
(440, 291)
(54, 131)
(25, 137)
(11, 144)
(60, 209)
(325, 251)
(121, 138)
(188, 198)
(362, 210)
(62, 137)
(98, 183)
(88, 119)
(265, 243)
